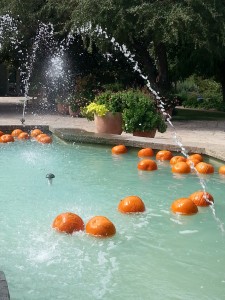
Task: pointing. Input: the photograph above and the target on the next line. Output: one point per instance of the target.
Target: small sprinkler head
(50, 176)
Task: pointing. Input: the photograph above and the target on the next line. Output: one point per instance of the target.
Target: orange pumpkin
(23, 136)
(145, 152)
(1, 133)
(119, 149)
(131, 204)
(192, 161)
(16, 132)
(184, 206)
(181, 167)
(196, 156)
(164, 155)
(40, 136)
(68, 222)
(7, 138)
(35, 132)
(147, 165)
(204, 168)
(222, 170)
(100, 226)
(45, 140)
(202, 198)
(176, 159)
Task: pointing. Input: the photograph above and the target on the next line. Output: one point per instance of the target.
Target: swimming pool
(154, 255)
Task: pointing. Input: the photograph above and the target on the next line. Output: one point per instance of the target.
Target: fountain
(149, 249)
(50, 177)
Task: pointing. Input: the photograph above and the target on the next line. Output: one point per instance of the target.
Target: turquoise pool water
(156, 255)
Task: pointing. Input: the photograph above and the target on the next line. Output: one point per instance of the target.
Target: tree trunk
(163, 81)
(147, 62)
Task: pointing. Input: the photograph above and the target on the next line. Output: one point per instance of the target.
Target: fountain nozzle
(22, 120)
(50, 176)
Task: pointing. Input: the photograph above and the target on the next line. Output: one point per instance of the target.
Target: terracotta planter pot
(110, 123)
(63, 108)
(149, 134)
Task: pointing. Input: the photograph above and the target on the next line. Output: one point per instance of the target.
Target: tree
(170, 39)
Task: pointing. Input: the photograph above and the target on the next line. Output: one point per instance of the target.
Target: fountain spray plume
(58, 76)
(44, 34)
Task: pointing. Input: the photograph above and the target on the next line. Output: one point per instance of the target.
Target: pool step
(4, 291)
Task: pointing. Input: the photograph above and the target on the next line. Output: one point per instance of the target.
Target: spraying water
(44, 34)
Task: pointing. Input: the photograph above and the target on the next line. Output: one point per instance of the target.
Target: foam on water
(188, 231)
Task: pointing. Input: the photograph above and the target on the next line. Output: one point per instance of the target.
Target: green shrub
(196, 92)
(140, 113)
(113, 101)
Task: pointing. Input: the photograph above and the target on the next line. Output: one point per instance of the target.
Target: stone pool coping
(79, 135)
(82, 136)
(4, 291)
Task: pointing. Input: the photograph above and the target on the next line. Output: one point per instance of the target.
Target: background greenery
(171, 40)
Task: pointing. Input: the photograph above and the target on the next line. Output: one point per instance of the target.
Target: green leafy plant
(105, 102)
(113, 101)
(196, 92)
(140, 113)
(94, 109)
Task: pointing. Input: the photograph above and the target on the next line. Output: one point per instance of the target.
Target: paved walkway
(209, 135)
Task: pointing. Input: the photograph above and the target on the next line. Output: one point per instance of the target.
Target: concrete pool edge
(4, 291)
(82, 136)
(74, 134)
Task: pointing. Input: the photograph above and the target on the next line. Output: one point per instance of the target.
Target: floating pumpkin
(176, 159)
(35, 132)
(100, 226)
(204, 168)
(164, 155)
(68, 222)
(131, 204)
(192, 162)
(147, 165)
(40, 136)
(45, 140)
(1, 133)
(181, 167)
(145, 152)
(184, 206)
(23, 136)
(222, 170)
(196, 156)
(7, 138)
(119, 149)
(16, 132)
(202, 198)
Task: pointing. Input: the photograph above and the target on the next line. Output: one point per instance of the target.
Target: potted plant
(106, 111)
(140, 115)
